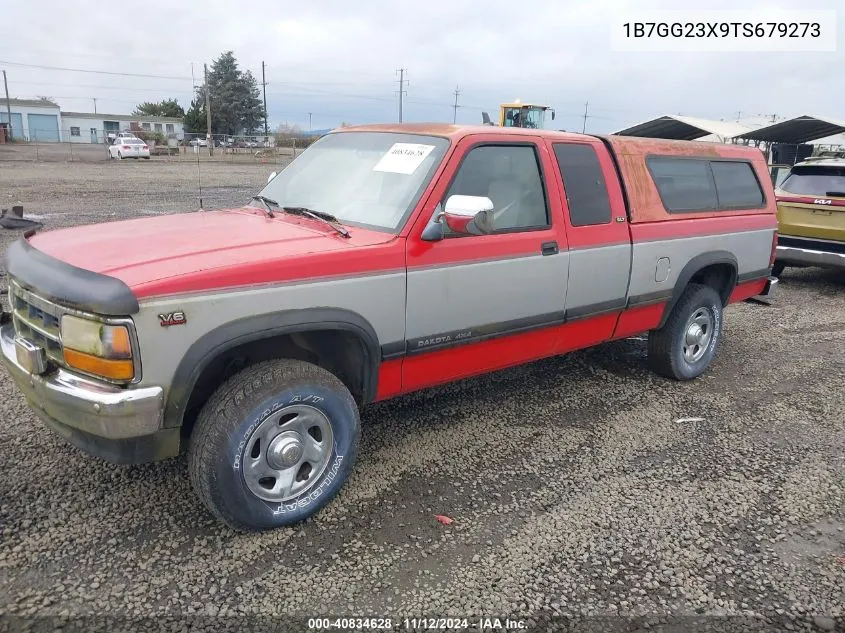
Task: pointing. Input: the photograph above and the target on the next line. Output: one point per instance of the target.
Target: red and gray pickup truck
(382, 260)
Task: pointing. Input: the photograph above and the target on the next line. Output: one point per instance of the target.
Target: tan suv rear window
(814, 180)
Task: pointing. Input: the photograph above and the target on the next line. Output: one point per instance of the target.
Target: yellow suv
(811, 215)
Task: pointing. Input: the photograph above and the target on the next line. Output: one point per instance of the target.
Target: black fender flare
(693, 266)
(264, 326)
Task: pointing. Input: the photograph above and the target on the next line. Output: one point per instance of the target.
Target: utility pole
(402, 91)
(264, 86)
(309, 123)
(8, 104)
(94, 99)
(455, 107)
(208, 113)
(584, 128)
(738, 115)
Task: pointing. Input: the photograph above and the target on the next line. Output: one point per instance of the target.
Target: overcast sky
(338, 59)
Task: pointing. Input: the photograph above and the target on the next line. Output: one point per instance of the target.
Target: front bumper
(769, 288)
(121, 425)
(810, 257)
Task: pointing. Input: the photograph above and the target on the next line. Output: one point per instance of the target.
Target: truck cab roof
(634, 144)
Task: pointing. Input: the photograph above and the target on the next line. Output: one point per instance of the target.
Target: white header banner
(769, 30)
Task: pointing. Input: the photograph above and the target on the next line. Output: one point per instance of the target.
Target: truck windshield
(815, 181)
(369, 179)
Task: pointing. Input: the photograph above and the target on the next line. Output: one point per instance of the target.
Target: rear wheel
(273, 445)
(686, 344)
(120, 156)
(777, 269)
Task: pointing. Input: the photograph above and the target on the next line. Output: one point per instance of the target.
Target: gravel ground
(581, 485)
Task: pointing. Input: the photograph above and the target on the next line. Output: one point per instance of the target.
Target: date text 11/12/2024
(416, 624)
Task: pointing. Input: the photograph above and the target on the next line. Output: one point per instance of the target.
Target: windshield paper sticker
(403, 158)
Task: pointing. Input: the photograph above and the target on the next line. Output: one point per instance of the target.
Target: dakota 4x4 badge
(172, 318)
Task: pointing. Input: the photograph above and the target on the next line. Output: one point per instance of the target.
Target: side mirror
(468, 215)
(273, 175)
(553, 115)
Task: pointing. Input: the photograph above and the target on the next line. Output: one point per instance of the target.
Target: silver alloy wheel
(698, 333)
(287, 453)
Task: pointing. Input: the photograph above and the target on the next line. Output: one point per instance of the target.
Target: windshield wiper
(328, 218)
(266, 202)
(835, 193)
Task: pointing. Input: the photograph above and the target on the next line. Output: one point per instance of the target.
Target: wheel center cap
(285, 450)
(694, 334)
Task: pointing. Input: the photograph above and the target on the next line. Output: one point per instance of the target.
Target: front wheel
(120, 156)
(686, 344)
(274, 445)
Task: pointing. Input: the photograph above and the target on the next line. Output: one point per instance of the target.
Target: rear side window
(698, 184)
(583, 180)
(684, 184)
(736, 185)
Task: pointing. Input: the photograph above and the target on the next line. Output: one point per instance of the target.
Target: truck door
(481, 302)
(598, 234)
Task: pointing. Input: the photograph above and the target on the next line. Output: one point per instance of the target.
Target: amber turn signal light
(119, 369)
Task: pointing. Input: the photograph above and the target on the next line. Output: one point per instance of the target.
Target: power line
(402, 90)
(286, 69)
(8, 106)
(208, 112)
(97, 72)
(264, 87)
(83, 98)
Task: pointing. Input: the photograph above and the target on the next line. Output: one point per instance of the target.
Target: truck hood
(203, 249)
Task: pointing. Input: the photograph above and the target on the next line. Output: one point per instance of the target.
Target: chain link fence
(70, 182)
(72, 145)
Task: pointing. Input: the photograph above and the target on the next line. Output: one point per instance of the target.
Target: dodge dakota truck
(384, 259)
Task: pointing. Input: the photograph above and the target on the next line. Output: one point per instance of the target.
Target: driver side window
(510, 176)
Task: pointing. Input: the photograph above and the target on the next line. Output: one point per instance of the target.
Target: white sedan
(129, 148)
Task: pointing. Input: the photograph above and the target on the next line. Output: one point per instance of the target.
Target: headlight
(97, 348)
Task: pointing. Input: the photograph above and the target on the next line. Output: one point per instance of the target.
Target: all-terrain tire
(666, 345)
(217, 458)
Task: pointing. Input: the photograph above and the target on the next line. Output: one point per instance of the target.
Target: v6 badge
(172, 318)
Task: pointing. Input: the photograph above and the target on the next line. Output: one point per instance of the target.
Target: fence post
(70, 148)
(34, 136)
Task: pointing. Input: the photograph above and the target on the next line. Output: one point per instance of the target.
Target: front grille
(37, 320)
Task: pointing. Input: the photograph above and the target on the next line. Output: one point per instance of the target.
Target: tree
(165, 107)
(195, 118)
(236, 106)
(288, 131)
